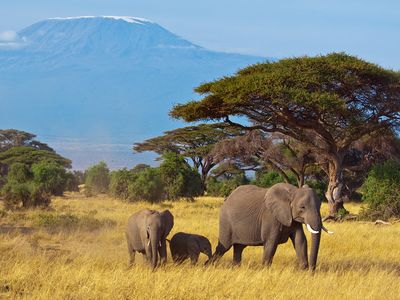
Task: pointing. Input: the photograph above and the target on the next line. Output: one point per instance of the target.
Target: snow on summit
(123, 18)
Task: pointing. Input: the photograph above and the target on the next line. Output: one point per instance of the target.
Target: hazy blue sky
(369, 29)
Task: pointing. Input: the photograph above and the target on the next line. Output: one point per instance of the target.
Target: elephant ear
(277, 200)
(168, 221)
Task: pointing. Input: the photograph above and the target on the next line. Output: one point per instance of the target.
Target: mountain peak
(128, 19)
(99, 35)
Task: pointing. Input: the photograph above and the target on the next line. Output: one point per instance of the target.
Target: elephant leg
(269, 251)
(131, 257)
(237, 253)
(194, 257)
(163, 252)
(219, 252)
(299, 241)
(131, 254)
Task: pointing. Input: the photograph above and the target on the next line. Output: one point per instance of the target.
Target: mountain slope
(91, 86)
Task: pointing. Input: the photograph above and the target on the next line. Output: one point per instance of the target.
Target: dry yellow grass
(360, 261)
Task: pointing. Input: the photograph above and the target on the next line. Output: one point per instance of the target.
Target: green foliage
(381, 191)
(120, 180)
(29, 156)
(25, 195)
(223, 187)
(146, 186)
(50, 176)
(180, 180)
(139, 168)
(268, 179)
(19, 173)
(73, 180)
(97, 178)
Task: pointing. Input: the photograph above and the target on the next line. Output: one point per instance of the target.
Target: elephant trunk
(154, 241)
(315, 241)
(314, 225)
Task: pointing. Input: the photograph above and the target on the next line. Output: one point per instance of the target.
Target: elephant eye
(302, 207)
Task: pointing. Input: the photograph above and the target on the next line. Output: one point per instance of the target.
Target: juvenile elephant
(146, 233)
(254, 216)
(186, 245)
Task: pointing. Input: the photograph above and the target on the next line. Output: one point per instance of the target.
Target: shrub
(119, 183)
(97, 178)
(50, 176)
(146, 186)
(222, 188)
(268, 179)
(179, 179)
(24, 195)
(381, 191)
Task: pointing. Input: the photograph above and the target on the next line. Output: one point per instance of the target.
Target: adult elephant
(146, 233)
(254, 216)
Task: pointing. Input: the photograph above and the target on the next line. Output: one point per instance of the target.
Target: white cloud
(11, 40)
(8, 36)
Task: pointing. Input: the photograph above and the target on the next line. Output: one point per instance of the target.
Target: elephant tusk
(309, 228)
(148, 243)
(327, 230)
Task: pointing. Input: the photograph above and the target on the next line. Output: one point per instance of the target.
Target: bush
(222, 188)
(50, 177)
(381, 191)
(97, 178)
(268, 179)
(119, 183)
(179, 179)
(24, 195)
(147, 186)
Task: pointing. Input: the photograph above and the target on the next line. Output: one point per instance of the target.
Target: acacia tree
(256, 149)
(193, 142)
(326, 102)
(13, 138)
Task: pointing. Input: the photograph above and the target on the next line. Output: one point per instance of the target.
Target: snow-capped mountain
(91, 86)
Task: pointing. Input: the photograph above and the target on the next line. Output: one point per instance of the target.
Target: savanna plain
(77, 250)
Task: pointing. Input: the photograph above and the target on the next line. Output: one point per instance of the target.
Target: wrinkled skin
(253, 216)
(146, 233)
(186, 245)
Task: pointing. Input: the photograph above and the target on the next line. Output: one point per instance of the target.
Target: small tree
(381, 191)
(21, 191)
(146, 186)
(179, 179)
(51, 177)
(119, 182)
(97, 178)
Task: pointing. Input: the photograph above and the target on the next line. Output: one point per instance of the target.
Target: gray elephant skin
(186, 245)
(254, 216)
(146, 233)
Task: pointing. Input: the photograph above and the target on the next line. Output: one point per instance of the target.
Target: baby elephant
(186, 245)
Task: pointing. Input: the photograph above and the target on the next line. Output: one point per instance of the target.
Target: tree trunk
(335, 186)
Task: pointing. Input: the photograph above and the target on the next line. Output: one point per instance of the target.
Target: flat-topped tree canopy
(338, 97)
(194, 142)
(327, 102)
